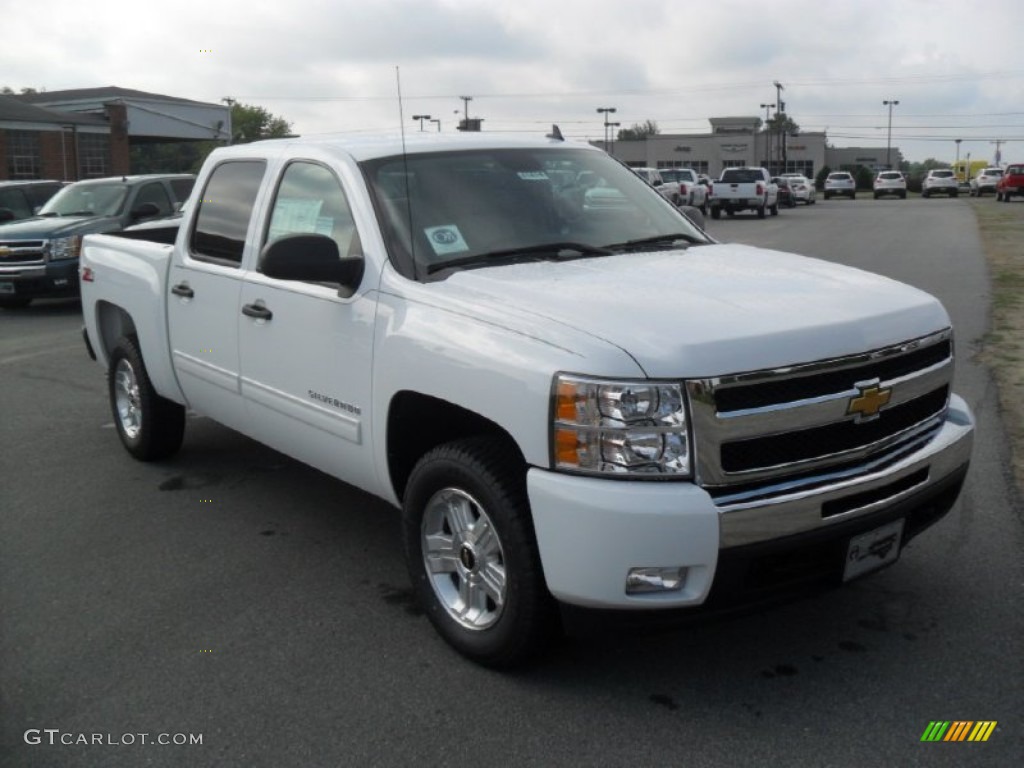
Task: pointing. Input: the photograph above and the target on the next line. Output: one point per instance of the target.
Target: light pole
(421, 118)
(957, 166)
(780, 109)
(606, 111)
(888, 143)
(767, 134)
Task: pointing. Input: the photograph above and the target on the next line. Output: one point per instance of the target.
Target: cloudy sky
(954, 65)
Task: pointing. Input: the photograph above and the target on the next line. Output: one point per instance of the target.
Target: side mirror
(6, 214)
(144, 211)
(311, 258)
(693, 214)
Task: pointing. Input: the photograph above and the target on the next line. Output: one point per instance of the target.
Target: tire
(877, 195)
(466, 511)
(150, 427)
(703, 208)
(954, 194)
(15, 302)
(903, 195)
(827, 196)
(761, 212)
(853, 195)
(716, 212)
(775, 209)
(677, 200)
(924, 194)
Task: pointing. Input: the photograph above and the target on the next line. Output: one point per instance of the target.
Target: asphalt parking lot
(234, 594)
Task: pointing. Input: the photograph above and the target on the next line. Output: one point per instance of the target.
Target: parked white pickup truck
(580, 401)
(744, 189)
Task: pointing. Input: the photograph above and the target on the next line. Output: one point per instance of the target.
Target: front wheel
(472, 555)
(716, 212)
(150, 427)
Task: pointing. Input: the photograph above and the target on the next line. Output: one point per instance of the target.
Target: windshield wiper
(669, 240)
(548, 251)
(78, 213)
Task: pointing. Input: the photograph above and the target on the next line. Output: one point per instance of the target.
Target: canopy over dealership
(740, 141)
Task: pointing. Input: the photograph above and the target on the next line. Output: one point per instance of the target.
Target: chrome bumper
(840, 502)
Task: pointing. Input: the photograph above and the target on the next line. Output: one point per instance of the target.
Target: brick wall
(117, 114)
(52, 156)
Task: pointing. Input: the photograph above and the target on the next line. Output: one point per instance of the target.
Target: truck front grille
(756, 429)
(21, 252)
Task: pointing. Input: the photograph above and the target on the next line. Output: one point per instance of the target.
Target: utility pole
(957, 165)
(606, 111)
(999, 155)
(888, 142)
(767, 135)
(779, 108)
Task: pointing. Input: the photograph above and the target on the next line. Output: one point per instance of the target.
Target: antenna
(405, 171)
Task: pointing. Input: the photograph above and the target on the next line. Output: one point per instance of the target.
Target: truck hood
(39, 227)
(705, 311)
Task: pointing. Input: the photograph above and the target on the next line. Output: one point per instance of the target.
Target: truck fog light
(646, 580)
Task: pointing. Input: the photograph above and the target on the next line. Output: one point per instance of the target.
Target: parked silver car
(840, 183)
(985, 181)
(890, 183)
(940, 181)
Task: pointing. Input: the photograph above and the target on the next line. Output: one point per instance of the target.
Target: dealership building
(739, 141)
(87, 133)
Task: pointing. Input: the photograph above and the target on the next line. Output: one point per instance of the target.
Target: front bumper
(592, 531)
(48, 280)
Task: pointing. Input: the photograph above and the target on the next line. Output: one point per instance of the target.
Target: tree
(639, 131)
(252, 123)
(8, 91)
(780, 122)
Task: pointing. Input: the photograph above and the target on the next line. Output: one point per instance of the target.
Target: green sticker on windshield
(446, 239)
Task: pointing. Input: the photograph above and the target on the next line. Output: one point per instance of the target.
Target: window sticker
(293, 215)
(446, 239)
(533, 176)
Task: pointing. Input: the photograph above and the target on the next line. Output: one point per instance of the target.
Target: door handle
(182, 289)
(257, 310)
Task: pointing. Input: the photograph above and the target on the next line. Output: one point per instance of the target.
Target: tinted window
(38, 194)
(225, 210)
(14, 200)
(310, 200)
(182, 188)
(156, 194)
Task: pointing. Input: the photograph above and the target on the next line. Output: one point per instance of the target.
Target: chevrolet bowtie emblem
(870, 400)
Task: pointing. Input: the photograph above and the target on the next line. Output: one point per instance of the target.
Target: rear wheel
(716, 212)
(775, 209)
(150, 427)
(472, 554)
(761, 212)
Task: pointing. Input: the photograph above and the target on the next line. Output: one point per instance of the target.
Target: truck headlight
(65, 247)
(607, 427)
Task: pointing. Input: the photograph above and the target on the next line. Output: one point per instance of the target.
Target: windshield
(103, 199)
(467, 207)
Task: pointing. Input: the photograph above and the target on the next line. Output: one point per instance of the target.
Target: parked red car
(1012, 183)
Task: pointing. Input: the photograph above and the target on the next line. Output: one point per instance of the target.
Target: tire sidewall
(509, 515)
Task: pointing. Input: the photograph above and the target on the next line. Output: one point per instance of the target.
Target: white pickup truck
(744, 189)
(582, 404)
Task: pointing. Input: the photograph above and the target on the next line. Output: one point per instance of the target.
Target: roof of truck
(414, 142)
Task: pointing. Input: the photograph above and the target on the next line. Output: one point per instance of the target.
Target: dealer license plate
(6, 287)
(870, 551)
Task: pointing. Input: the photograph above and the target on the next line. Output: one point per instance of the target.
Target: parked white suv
(985, 181)
(840, 183)
(940, 181)
(890, 183)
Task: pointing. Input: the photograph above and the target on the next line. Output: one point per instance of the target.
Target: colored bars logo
(959, 730)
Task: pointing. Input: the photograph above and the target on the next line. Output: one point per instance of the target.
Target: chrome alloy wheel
(463, 557)
(127, 399)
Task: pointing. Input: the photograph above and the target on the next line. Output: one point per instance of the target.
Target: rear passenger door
(204, 286)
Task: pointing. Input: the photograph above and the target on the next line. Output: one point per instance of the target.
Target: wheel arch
(112, 322)
(417, 423)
